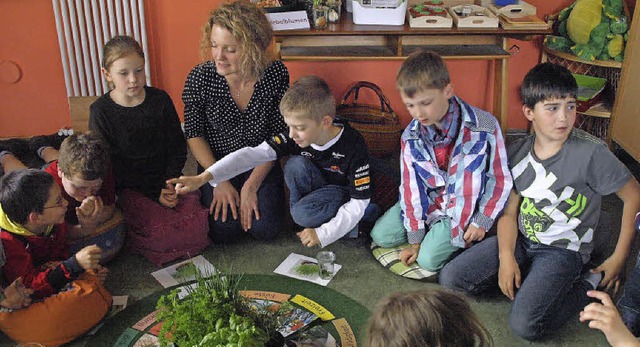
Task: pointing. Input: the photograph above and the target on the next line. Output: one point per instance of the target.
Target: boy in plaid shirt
(454, 175)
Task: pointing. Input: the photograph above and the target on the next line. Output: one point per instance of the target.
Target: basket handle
(355, 90)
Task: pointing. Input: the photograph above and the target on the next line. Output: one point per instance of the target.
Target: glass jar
(334, 10)
(320, 17)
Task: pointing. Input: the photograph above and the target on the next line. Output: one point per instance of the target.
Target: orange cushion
(59, 318)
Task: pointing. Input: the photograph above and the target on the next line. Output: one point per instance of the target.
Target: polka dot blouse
(211, 113)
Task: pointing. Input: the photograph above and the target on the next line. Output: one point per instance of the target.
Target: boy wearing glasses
(82, 170)
(34, 235)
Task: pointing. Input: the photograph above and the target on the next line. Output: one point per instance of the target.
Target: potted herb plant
(214, 313)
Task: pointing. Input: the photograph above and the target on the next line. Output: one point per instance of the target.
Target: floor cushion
(389, 258)
(109, 236)
(163, 234)
(59, 318)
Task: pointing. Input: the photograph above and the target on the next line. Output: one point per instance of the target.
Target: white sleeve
(240, 161)
(347, 217)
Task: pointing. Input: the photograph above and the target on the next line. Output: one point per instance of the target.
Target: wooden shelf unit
(348, 41)
(598, 110)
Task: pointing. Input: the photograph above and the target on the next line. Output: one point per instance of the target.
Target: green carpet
(338, 304)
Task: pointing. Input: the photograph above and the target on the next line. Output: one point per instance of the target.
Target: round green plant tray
(119, 331)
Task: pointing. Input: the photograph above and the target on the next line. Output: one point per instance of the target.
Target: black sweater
(147, 142)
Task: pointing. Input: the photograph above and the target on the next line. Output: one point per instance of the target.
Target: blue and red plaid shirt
(473, 188)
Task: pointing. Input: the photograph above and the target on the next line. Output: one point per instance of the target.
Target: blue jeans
(629, 303)
(270, 198)
(552, 289)
(313, 202)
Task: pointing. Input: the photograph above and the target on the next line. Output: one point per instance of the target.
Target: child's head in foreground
(430, 317)
(548, 95)
(83, 164)
(308, 108)
(425, 87)
(123, 64)
(32, 195)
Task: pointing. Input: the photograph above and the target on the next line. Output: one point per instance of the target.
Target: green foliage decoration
(213, 314)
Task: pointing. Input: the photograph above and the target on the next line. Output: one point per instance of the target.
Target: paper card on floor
(183, 272)
(145, 322)
(347, 338)
(290, 268)
(293, 320)
(118, 304)
(147, 340)
(313, 306)
(315, 336)
(262, 295)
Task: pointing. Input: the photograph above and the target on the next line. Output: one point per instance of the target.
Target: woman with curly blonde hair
(231, 101)
(430, 317)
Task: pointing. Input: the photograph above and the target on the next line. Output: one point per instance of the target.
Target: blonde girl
(142, 128)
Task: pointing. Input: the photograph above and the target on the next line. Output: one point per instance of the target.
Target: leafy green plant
(213, 313)
(186, 270)
(307, 269)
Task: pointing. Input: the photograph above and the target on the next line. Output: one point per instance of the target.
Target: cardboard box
(379, 16)
(479, 17)
(380, 3)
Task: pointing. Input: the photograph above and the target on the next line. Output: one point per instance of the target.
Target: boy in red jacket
(34, 236)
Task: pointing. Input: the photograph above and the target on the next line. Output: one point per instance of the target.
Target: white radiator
(84, 26)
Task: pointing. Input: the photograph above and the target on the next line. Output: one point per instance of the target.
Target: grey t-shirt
(561, 195)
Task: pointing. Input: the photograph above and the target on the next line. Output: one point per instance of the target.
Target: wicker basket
(379, 125)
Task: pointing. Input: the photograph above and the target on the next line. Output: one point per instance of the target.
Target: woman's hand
(225, 198)
(248, 206)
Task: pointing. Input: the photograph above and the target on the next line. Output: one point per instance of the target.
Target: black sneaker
(17, 147)
(37, 142)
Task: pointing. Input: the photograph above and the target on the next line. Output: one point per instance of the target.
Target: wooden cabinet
(625, 123)
(348, 41)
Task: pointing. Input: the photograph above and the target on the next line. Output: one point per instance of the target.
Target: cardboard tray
(429, 21)
(521, 9)
(531, 22)
(488, 19)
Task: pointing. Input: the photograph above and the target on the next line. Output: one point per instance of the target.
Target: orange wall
(37, 104)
